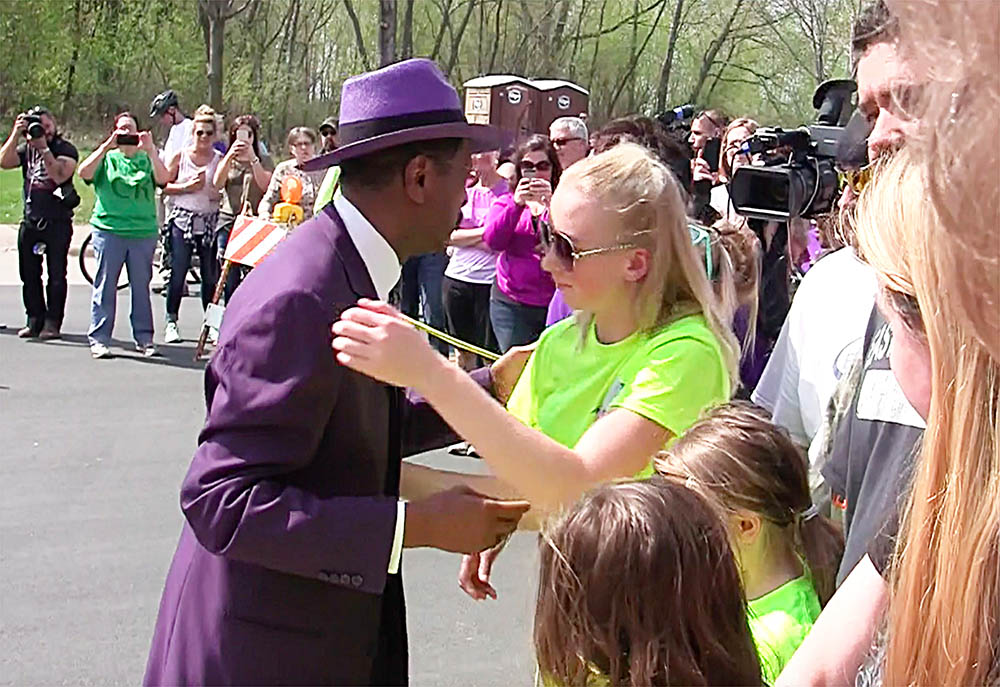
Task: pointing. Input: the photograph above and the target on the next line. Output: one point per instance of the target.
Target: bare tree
(359, 39)
(663, 88)
(213, 15)
(407, 50)
(386, 32)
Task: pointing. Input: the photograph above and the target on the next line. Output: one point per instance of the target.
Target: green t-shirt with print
(780, 621)
(125, 195)
(668, 377)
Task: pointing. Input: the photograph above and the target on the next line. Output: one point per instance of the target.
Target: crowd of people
(756, 451)
(181, 199)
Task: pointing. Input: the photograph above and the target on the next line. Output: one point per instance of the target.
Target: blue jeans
(515, 324)
(113, 252)
(181, 263)
(421, 292)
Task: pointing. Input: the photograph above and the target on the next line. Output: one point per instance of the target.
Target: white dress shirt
(384, 269)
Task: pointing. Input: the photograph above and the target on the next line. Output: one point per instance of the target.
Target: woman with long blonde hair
(649, 348)
(944, 614)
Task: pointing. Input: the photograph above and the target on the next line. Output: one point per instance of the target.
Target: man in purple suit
(287, 570)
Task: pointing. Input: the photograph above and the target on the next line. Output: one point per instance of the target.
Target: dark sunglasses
(561, 246)
(202, 132)
(560, 142)
(528, 167)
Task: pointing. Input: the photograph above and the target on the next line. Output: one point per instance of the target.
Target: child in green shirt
(788, 553)
(638, 586)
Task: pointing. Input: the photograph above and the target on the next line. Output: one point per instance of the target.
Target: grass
(10, 196)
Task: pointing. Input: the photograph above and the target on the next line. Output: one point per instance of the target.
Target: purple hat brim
(481, 138)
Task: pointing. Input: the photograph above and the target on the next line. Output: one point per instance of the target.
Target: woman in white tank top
(194, 211)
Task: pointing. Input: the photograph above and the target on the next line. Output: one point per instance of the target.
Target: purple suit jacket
(280, 574)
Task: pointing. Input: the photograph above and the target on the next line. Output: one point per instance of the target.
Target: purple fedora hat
(402, 103)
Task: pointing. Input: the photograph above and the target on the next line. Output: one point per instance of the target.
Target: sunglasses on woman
(203, 132)
(532, 167)
(561, 246)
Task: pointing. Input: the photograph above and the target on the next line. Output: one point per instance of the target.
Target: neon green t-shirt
(125, 195)
(780, 621)
(668, 377)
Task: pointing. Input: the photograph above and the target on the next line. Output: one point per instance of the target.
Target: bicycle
(88, 265)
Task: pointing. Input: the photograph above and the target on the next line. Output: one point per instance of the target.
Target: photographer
(124, 171)
(706, 142)
(47, 162)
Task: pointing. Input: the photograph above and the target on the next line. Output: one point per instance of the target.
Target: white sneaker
(147, 350)
(171, 334)
(99, 351)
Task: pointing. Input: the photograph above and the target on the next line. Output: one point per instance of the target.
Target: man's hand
(701, 171)
(20, 126)
(474, 573)
(507, 370)
(460, 520)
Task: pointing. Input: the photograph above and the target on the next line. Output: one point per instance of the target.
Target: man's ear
(415, 178)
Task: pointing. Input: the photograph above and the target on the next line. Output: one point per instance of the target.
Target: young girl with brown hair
(787, 552)
(639, 587)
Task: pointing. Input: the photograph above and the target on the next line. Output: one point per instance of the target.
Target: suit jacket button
(357, 580)
(345, 579)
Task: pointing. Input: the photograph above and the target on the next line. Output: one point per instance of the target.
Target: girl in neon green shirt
(649, 348)
(787, 552)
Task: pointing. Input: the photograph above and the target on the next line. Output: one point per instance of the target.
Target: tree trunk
(216, 45)
(71, 72)
(359, 38)
(456, 42)
(386, 32)
(407, 51)
(668, 62)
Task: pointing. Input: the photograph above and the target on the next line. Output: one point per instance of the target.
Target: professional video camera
(799, 176)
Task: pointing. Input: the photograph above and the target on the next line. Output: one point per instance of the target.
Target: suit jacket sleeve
(271, 389)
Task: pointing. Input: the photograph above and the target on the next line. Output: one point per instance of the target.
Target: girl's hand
(374, 340)
(240, 150)
(474, 573)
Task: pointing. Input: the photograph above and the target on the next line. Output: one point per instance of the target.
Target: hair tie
(809, 513)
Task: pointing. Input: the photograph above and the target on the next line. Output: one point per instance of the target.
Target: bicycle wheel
(88, 263)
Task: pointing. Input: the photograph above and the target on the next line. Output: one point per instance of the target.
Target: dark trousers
(515, 324)
(181, 263)
(421, 292)
(48, 304)
(467, 308)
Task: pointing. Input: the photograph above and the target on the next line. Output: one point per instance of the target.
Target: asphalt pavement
(91, 457)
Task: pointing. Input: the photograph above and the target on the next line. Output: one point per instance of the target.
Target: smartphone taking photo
(127, 139)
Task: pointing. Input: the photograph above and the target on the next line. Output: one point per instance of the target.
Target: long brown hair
(743, 461)
(945, 583)
(639, 584)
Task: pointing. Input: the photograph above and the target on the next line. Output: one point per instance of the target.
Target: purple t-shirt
(472, 264)
(520, 277)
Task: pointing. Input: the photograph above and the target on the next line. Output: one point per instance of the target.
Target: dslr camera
(33, 119)
(799, 176)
